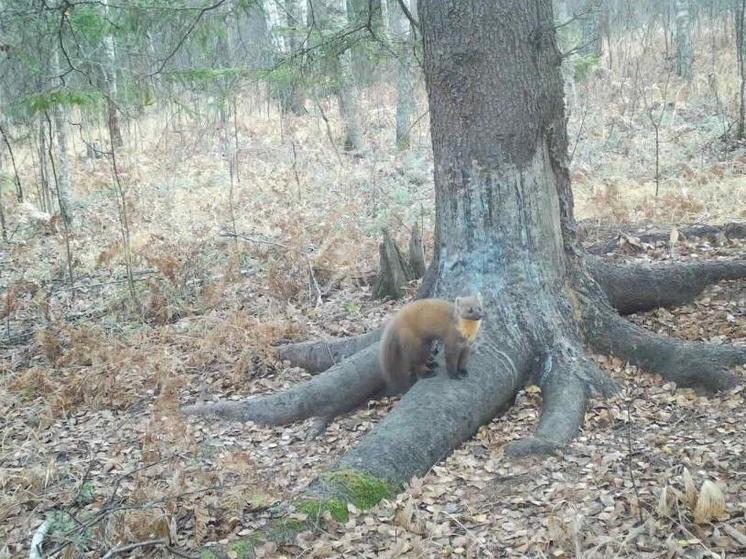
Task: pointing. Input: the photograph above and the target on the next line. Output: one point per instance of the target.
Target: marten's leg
(423, 369)
(452, 359)
(462, 359)
(432, 362)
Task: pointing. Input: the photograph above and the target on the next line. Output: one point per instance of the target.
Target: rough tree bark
(504, 225)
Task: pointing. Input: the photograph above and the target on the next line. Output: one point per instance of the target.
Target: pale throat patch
(469, 328)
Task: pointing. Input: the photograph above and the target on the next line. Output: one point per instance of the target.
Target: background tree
(402, 38)
(684, 51)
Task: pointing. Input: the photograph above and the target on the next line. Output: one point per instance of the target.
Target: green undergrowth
(346, 486)
(239, 549)
(331, 493)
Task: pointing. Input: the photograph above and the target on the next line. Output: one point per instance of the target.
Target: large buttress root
(632, 288)
(688, 364)
(565, 391)
(438, 413)
(338, 390)
(319, 356)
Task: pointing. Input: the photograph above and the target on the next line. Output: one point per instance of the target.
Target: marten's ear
(457, 302)
(479, 297)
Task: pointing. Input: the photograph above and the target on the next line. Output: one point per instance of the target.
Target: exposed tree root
(319, 356)
(689, 364)
(340, 389)
(565, 396)
(438, 413)
(632, 288)
(732, 230)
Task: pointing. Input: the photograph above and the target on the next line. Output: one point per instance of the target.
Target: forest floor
(92, 374)
(99, 435)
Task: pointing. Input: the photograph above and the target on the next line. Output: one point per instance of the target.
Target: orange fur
(408, 337)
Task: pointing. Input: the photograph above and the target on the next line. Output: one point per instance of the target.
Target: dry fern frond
(690, 488)
(664, 502)
(710, 503)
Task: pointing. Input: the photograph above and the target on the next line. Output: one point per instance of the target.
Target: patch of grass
(315, 507)
(361, 489)
(243, 549)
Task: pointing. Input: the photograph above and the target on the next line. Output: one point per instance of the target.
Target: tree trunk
(348, 105)
(3, 230)
(590, 35)
(401, 36)
(741, 56)
(110, 82)
(504, 226)
(63, 175)
(293, 98)
(684, 51)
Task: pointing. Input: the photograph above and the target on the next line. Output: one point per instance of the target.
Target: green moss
(363, 490)
(315, 507)
(244, 549)
(207, 554)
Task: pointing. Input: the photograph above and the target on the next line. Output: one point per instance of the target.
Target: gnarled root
(319, 356)
(688, 364)
(438, 413)
(733, 230)
(342, 388)
(565, 384)
(632, 288)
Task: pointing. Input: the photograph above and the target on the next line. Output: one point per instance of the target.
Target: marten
(408, 337)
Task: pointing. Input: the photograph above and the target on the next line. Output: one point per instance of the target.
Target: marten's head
(469, 308)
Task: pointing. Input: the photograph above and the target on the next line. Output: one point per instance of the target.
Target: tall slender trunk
(347, 92)
(16, 176)
(3, 231)
(741, 55)
(401, 34)
(348, 103)
(110, 82)
(684, 51)
(44, 200)
(294, 98)
(64, 172)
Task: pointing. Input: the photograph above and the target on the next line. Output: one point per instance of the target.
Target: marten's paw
(462, 373)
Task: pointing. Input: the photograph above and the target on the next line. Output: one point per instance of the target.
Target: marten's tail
(392, 360)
